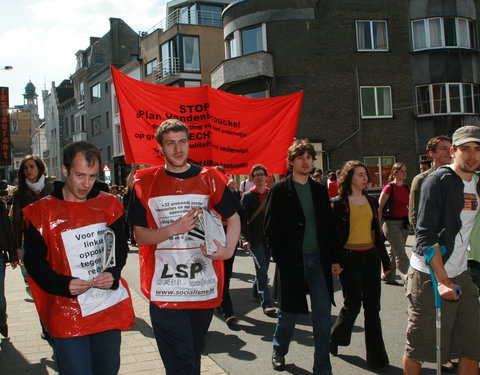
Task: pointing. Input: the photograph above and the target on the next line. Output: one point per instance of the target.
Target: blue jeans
(97, 354)
(3, 301)
(320, 302)
(180, 337)
(260, 286)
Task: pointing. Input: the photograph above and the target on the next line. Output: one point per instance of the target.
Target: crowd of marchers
(311, 229)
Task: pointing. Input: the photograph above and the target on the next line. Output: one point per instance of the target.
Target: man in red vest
(182, 280)
(81, 299)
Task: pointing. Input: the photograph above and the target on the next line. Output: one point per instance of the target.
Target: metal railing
(166, 68)
(188, 17)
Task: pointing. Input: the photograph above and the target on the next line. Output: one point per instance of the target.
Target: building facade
(362, 74)
(92, 85)
(182, 49)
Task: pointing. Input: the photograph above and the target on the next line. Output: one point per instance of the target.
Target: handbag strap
(257, 211)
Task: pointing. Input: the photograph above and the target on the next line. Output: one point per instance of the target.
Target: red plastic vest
(155, 184)
(53, 218)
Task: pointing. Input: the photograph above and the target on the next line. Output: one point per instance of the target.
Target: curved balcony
(242, 68)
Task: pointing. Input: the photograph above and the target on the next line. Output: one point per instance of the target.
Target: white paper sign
(182, 272)
(84, 249)
(183, 275)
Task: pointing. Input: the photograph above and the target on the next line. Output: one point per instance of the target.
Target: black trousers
(360, 281)
(226, 307)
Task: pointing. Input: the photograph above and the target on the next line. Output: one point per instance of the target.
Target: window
(191, 83)
(447, 32)
(376, 101)
(15, 125)
(231, 45)
(95, 122)
(72, 124)
(372, 36)
(66, 124)
(115, 105)
(257, 94)
(107, 119)
(447, 98)
(180, 54)
(379, 168)
(109, 153)
(210, 15)
(106, 87)
(95, 92)
(98, 59)
(190, 54)
(81, 91)
(252, 40)
(150, 66)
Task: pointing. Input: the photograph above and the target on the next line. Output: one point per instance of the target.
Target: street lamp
(7, 67)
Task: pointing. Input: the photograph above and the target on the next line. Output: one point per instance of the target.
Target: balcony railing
(188, 17)
(166, 68)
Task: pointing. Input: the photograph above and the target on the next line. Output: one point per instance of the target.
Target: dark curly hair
(345, 183)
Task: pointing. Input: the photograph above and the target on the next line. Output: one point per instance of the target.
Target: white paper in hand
(209, 228)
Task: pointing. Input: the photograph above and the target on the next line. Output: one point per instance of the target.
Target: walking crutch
(429, 254)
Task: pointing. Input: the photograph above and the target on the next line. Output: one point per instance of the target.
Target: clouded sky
(39, 38)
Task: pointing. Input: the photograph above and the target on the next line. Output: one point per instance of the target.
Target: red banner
(5, 151)
(225, 129)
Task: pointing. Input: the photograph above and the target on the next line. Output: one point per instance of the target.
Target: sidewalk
(24, 352)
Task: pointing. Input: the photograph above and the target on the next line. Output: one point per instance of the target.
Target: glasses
(259, 175)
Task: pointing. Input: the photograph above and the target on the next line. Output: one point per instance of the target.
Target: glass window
(95, 123)
(232, 50)
(376, 101)
(454, 98)
(191, 54)
(252, 40)
(444, 98)
(379, 168)
(95, 92)
(447, 32)
(81, 91)
(423, 99)
(107, 119)
(439, 99)
(210, 15)
(191, 83)
(257, 94)
(150, 66)
(435, 32)
(419, 37)
(98, 59)
(372, 35)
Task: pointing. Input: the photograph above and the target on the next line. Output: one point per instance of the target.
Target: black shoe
(393, 282)
(379, 368)
(270, 311)
(230, 320)
(333, 349)
(4, 330)
(278, 362)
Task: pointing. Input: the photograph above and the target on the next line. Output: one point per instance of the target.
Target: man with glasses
(253, 205)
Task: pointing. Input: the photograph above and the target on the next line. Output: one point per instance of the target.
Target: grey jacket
(438, 220)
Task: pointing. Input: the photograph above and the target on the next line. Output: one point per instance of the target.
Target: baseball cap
(465, 134)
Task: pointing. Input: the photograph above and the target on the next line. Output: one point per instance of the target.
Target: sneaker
(278, 362)
(230, 320)
(270, 311)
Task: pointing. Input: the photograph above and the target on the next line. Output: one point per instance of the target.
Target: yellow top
(360, 236)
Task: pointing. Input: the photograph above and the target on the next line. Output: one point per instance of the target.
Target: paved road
(246, 349)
